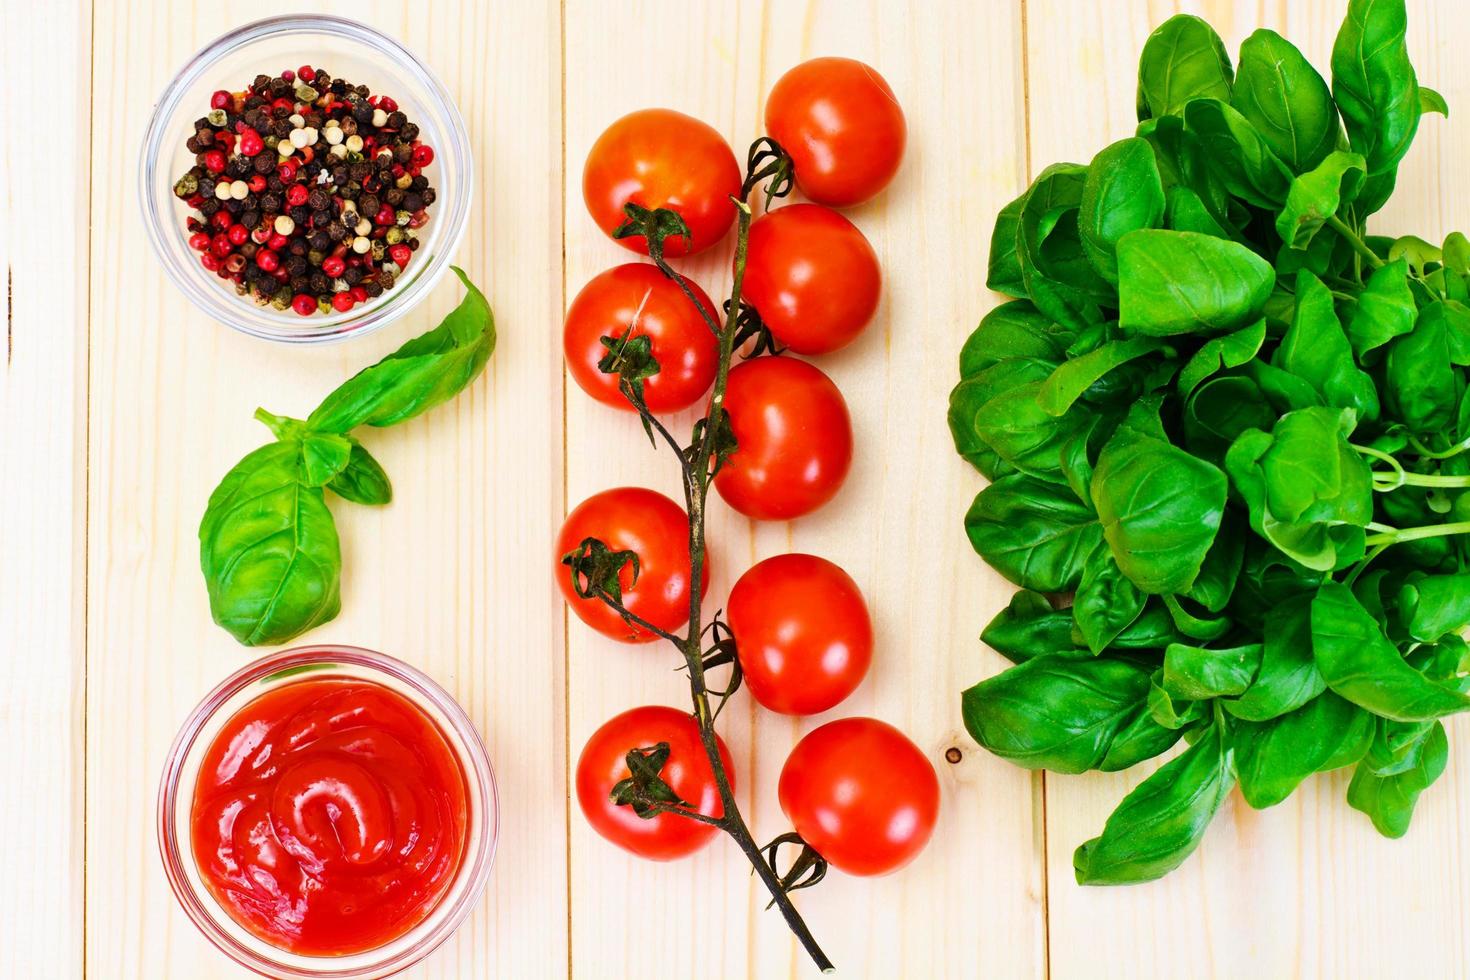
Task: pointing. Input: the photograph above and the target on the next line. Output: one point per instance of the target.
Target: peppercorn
(386, 279)
(296, 265)
(209, 206)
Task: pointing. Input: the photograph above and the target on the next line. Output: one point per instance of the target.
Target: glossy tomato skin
(657, 530)
(660, 158)
(803, 631)
(861, 794)
(794, 437)
(842, 126)
(643, 298)
(687, 771)
(812, 276)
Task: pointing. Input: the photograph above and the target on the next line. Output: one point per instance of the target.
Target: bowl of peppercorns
(305, 179)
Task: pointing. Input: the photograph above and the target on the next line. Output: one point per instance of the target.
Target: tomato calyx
(720, 652)
(749, 326)
(645, 790)
(654, 225)
(596, 570)
(631, 359)
(722, 442)
(767, 158)
(805, 870)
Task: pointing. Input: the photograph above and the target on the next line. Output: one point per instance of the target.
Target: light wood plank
(436, 578)
(895, 527)
(43, 62)
(1307, 888)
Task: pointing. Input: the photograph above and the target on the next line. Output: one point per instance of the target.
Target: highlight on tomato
(803, 631)
(659, 158)
(861, 795)
(666, 737)
(842, 127)
(637, 300)
(656, 530)
(794, 439)
(812, 277)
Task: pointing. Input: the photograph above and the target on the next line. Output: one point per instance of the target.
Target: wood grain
(1307, 888)
(43, 405)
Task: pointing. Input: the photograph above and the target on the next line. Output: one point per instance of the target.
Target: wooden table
(121, 406)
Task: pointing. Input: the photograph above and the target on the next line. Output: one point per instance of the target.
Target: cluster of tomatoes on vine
(859, 793)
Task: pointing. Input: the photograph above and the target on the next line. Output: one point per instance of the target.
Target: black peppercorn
(386, 279)
(263, 164)
(363, 91)
(373, 289)
(318, 199)
(299, 214)
(419, 182)
(363, 114)
(429, 196)
(369, 204)
(270, 203)
(300, 283)
(297, 247)
(281, 128)
(394, 197)
(350, 218)
(412, 201)
(336, 232)
(320, 219)
(402, 153)
(320, 282)
(410, 132)
(253, 102)
(250, 219)
(353, 275)
(296, 265)
(396, 120)
(338, 87)
(208, 207)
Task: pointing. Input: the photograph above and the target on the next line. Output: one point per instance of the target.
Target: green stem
(1418, 533)
(1353, 239)
(1392, 481)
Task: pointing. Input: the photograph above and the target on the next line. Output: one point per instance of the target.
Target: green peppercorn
(187, 186)
(217, 117)
(305, 93)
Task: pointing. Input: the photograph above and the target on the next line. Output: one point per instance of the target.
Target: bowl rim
(483, 795)
(452, 214)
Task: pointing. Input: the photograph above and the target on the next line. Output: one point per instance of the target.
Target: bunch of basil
(1229, 448)
(268, 544)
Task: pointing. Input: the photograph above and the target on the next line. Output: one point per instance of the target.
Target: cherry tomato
(641, 298)
(794, 437)
(812, 276)
(803, 633)
(655, 529)
(687, 771)
(843, 128)
(861, 794)
(660, 158)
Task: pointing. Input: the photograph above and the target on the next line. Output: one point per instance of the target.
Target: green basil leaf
(1362, 665)
(1316, 350)
(1169, 712)
(1012, 330)
(1029, 627)
(1274, 757)
(1385, 308)
(1435, 605)
(1197, 627)
(1004, 273)
(1215, 583)
(1218, 353)
(1373, 82)
(1317, 195)
(1182, 59)
(1288, 677)
(1174, 282)
(425, 372)
(1286, 100)
(1107, 602)
(1072, 378)
(1432, 101)
(268, 548)
(1197, 674)
(1307, 491)
(1055, 713)
(1162, 821)
(1184, 210)
(1236, 154)
(362, 480)
(1421, 386)
(1389, 800)
(1159, 508)
(1152, 630)
(1058, 278)
(1141, 737)
(1035, 533)
(1123, 192)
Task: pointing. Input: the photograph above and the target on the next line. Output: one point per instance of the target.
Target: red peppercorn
(225, 140)
(214, 161)
(235, 263)
(342, 302)
(222, 220)
(220, 246)
(385, 215)
(333, 265)
(308, 154)
(199, 241)
(286, 171)
(195, 200)
(306, 73)
(387, 104)
(257, 184)
(276, 242)
(304, 304)
(238, 234)
(288, 75)
(359, 294)
(423, 155)
(251, 143)
(284, 103)
(209, 262)
(418, 219)
(221, 100)
(262, 234)
(267, 260)
(400, 254)
(297, 195)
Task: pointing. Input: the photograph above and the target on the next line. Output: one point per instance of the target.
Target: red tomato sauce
(330, 816)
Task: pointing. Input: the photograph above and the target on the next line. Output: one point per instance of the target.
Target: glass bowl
(348, 50)
(181, 772)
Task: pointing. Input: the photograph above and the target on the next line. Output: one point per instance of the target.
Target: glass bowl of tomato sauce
(327, 811)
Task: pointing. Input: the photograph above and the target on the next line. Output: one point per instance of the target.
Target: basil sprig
(268, 544)
(1227, 434)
